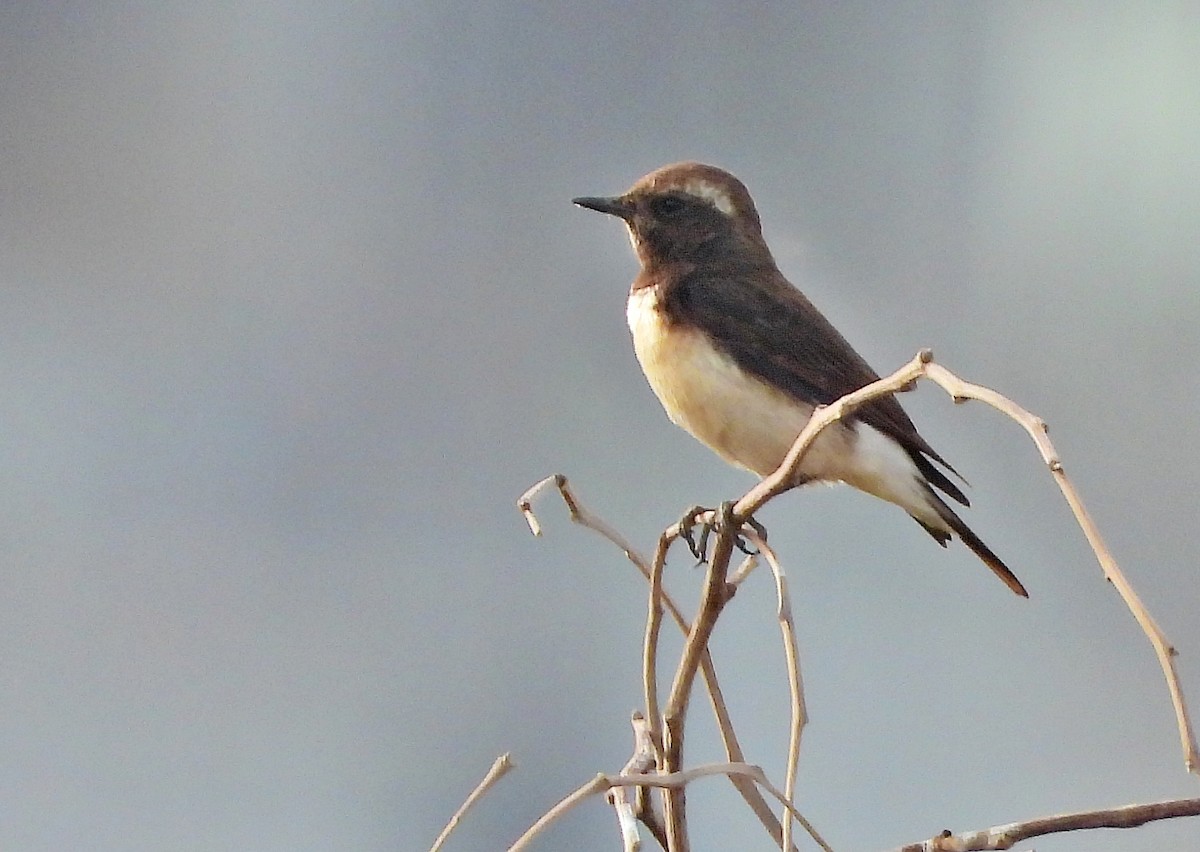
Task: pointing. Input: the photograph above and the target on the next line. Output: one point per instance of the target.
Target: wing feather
(772, 331)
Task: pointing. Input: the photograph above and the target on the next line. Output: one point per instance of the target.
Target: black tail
(972, 541)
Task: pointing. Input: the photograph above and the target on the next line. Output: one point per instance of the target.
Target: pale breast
(740, 417)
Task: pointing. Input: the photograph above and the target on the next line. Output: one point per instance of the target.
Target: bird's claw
(699, 545)
(687, 531)
(741, 542)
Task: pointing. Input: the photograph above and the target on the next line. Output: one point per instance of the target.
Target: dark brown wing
(772, 331)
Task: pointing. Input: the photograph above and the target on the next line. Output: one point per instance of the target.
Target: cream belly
(753, 425)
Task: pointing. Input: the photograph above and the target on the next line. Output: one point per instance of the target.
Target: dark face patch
(673, 224)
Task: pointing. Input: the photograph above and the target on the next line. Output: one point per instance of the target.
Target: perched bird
(739, 357)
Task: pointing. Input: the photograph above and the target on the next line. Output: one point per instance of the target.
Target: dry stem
(922, 366)
(712, 600)
(717, 590)
(795, 684)
(581, 515)
(1036, 428)
(499, 768)
(629, 803)
(1005, 836)
(603, 782)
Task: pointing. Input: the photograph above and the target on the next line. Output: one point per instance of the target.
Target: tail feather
(938, 479)
(955, 523)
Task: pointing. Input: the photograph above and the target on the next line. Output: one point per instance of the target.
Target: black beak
(616, 206)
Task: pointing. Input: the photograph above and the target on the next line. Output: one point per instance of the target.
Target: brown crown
(716, 186)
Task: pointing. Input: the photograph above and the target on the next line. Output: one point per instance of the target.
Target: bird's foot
(687, 531)
(741, 543)
(690, 521)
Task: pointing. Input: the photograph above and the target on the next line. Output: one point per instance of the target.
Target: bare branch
(625, 799)
(823, 416)
(650, 643)
(674, 780)
(499, 769)
(598, 784)
(713, 597)
(718, 588)
(581, 515)
(743, 571)
(922, 366)
(792, 654)
(1005, 836)
(961, 390)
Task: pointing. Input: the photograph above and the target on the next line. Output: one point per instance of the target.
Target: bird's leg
(741, 542)
(699, 545)
(687, 531)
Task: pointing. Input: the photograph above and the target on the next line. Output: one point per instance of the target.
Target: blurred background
(294, 305)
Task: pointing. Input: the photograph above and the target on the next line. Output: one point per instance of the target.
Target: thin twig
(602, 782)
(713, 598)
(799, 712)
(625, 799)
(784, 476)
(499, 768)
(743, 571)
(579, 515)
(696, 656)
(650, 643)
(598, 784)
(1004, 836)
(961, 390)
(922, 366)
(583, 516)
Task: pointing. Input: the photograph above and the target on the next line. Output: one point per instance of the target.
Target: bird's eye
(667, 205)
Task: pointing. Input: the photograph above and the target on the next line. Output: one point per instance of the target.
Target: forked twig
(628, 802)
(603, 782)
(718, 587)
(922, 366)
(961, 390)
(581, 515)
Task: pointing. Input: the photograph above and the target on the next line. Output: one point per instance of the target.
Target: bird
(739, 357)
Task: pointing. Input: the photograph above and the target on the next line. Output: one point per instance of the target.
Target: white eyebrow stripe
(713, 194)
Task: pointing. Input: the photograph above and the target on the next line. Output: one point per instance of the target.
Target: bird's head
(687, 212)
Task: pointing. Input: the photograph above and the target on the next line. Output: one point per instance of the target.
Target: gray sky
(294, 305)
